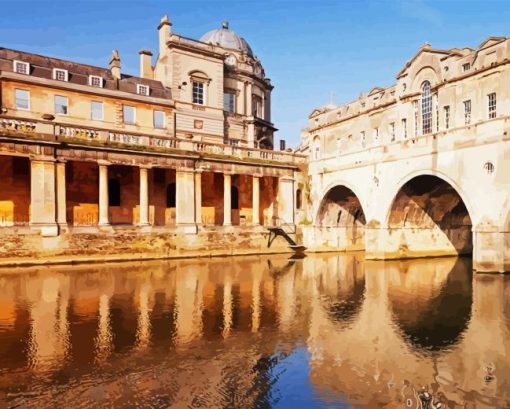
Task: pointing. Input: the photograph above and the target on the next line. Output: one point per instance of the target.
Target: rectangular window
(60, 75)
(363, 139)
(21, 67)
(22, 99)
(60, 105)
(437, 112)
(198, 93)
(376, 135)
(446, 110)
(404, 128)
(159, 119)
(129, 114)
(466, 67)
(492, 105)
(229, 102)
(142, 89)
(95, 81)
(392, 131)
(467, 112)
(257, 106)
(96, 110)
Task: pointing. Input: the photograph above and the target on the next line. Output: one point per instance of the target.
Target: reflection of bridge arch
(428, 321)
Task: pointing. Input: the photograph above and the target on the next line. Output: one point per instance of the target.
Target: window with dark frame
(467, 112)
(492, 105)
(426, 108)
(446, 110)
(198, 93)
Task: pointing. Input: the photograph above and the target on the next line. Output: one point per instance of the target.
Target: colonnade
(48, 197)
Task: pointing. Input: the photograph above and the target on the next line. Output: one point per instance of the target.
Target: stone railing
(66, 132)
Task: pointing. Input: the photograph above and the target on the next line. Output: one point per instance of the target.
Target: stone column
(249, 99)
(251, 135)
(256, 201)
(227, 200)
(104, 219)
(61, 195)
(144, 197)
(286, 203)
(184, 201)
(198, 197)
(42, 197)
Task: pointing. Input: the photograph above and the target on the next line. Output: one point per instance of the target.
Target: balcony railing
(71, 133)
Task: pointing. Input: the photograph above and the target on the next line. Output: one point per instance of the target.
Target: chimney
(115, 65)
(146, 64)
(164, 28)
(282, 144)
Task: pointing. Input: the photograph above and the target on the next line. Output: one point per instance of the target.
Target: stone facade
(89, 153)
(419, 168)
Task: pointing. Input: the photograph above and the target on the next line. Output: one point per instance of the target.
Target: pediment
(421, 55)
(375, 90)
(491, 41)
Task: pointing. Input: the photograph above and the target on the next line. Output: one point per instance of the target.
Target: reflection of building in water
(367, 329)
(49, 337)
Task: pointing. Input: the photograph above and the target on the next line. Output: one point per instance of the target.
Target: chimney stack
(146, 64)
(164, 28)
(115, 65)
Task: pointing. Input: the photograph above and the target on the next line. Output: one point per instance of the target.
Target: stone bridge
(432, 195)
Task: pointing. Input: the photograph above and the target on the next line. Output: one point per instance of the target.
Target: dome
(227, 39)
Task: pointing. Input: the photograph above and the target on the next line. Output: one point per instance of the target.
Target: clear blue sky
(308, 48)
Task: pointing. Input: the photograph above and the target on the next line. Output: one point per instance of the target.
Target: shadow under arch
(432, 318)
(428, 210)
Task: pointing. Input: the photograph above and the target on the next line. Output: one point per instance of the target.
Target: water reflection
(255, 332)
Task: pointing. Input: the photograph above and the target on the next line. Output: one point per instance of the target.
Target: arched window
(170, 195)
(113, 192)
(234, 197)
(316, 148)
(426, 108)
(298, 199)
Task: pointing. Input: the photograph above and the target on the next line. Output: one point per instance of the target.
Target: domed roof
(227, 39)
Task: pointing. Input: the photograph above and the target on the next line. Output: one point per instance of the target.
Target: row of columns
(48, 197)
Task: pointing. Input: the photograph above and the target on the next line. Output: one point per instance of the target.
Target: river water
(326, 331)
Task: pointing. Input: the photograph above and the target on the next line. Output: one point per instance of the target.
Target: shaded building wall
(159, 181)
(212, 198)
(129, 179)
(82, 193)
(14, 190)
(268, 200)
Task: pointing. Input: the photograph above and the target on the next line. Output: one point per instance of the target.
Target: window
(142, 89)
(376, 135)
(436, 98)
(159, 119)
(446, 111)
(59, 74)
(392, 131)
(198, 93)
(96, 110)
(298, 199)
(467, 112)
(170, 195)
(257, 106)
(229, 102)
(21, 67)
(113, 192)
(129, 114)
(466, 67)
(234, 197)
(363, 139)
(426, 108)
(415, 109)
(22, 99)
(492, 105)
(60, 105)
(95, 81)
(404, 128)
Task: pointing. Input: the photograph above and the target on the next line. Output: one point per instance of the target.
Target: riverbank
(131, 245)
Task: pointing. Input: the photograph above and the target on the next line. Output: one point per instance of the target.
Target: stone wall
(131, 244)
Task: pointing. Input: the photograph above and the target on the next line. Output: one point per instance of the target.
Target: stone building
(419, 168)
(89, 152)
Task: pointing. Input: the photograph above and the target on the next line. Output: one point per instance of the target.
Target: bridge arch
(340, 218)
(429, 215)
